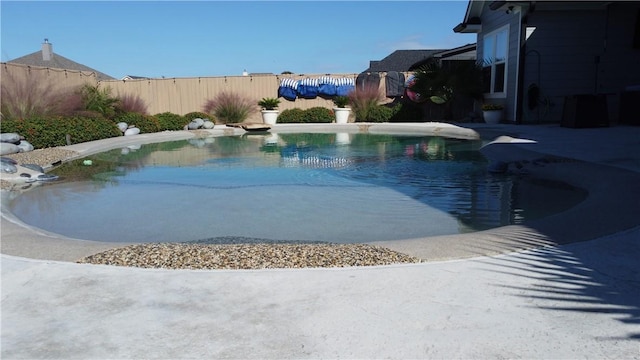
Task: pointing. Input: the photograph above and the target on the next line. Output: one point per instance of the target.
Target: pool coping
(607, 209)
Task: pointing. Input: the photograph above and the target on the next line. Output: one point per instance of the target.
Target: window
(495, 54)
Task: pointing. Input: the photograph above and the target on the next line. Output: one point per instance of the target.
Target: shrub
(229, 107)
(32, 96)
(294, 115)
(131, 103)
(43, 132)
(146, 123)
(365, 100)
(99, 100)
(171, 121)
(197, 114)
(318, 115)
(379, 113)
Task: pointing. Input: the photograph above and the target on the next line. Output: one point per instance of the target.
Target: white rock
(8, 148)
(25, 146)
(132, 131)
(12, 138)
(123, 126)
(193, 125)
(208, 124)
(198, 121)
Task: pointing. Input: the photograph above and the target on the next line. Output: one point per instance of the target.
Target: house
(559, 61)
(400, 60)
(133, 77)
(48, 59)
(461, 53)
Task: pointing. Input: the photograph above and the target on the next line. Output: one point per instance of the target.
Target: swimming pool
(334, 187)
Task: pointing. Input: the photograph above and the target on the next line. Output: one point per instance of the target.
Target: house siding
(563, 52)
(560, 59)
(493, 20)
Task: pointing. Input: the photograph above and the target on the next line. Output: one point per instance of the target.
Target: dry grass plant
(22, 98)
(230, 107)
(364, 101)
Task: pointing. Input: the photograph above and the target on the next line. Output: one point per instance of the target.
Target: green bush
(294, 115)
(171, 121)
(318, 115)
(45, 132)
(197, 114)
(146, 123)
(379, 113)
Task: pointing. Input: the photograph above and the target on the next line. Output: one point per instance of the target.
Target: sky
(224, 38)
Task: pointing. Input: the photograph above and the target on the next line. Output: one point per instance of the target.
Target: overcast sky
(218, 38)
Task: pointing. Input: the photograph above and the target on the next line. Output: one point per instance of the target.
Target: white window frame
(488, 57)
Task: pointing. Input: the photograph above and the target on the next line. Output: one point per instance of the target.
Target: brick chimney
(47, 50)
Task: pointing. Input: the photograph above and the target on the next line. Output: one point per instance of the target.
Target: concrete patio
(573, 293)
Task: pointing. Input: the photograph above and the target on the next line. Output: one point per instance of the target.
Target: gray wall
(561, 56)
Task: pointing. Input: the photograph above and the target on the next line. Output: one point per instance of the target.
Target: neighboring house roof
(46, 58)
(133, 77)
(401, 60)
(464, 52)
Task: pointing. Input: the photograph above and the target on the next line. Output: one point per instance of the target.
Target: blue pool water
(343, 188)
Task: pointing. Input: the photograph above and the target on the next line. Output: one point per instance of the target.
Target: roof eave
(467, 28)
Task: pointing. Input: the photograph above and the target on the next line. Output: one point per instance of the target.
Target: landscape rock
(25, 146)
(11, 138)
(208, 124)
(132, 131)
(8, 148)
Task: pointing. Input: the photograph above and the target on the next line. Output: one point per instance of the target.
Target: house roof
(464, 52)
(56, 61)
(401, 60)
(471, 22)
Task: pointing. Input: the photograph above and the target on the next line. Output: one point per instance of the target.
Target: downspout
(520, 71)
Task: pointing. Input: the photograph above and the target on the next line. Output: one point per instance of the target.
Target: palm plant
(99, 100)
(442, 83)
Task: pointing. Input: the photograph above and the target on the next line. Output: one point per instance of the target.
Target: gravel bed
(43, 157)
(247, 256)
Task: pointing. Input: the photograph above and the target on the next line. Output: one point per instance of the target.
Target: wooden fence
(179, 95)
(58, 78)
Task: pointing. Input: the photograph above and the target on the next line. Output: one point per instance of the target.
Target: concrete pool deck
(558, 299)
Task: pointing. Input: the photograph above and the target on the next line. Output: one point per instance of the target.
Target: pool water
(343, 188)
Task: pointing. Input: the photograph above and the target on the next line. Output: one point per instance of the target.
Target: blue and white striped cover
(327, 86)
(308, 88)
(288, 89)
(344, 86)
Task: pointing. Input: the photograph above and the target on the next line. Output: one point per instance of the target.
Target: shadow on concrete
(596, 277)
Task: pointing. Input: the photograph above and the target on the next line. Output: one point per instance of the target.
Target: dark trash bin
(630, 106)
(585, 111)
